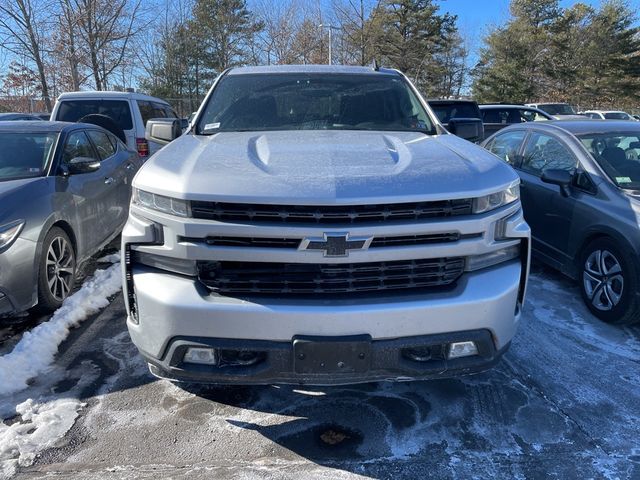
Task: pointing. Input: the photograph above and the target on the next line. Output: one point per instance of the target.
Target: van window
(117, 110)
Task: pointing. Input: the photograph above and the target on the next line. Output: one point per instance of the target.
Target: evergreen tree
(225, 30)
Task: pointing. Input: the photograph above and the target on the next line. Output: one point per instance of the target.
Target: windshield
(25, 155)
(616, 116)
(618, 154)
(557, 109)
(308, 101)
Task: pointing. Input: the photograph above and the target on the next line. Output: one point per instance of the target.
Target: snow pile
(37, 348)
(40, 427)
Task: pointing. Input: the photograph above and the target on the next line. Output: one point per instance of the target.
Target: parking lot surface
(564, 402)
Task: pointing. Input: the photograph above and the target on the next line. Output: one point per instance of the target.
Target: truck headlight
(160, 203)
(9, 232)
(497, 200)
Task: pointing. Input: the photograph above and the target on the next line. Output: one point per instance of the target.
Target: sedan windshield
(308, 101)
(25, 155)
(618, 154)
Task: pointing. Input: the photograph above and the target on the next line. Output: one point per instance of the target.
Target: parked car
(581, 197)
(130, 111)
(9, 116)
(64, 194)
(461, 117)
(559, 111)
(318, 225)
(608, 115)
(497, 116)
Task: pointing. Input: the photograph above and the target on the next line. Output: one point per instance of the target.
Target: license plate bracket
(332, 355)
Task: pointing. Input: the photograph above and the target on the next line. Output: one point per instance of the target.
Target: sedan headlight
(9, 232)
(160, 203)
(496, 200)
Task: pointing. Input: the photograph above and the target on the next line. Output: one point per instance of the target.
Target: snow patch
(39, 428)
(36, 350)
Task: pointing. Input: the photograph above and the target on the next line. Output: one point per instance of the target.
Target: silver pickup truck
(318, 225)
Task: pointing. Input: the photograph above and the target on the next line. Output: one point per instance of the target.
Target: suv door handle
(109, 180)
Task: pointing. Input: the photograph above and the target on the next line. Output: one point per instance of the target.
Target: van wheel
(609, 282)
(57, 270)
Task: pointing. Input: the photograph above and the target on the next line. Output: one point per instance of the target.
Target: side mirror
(556, 176)
(82, 165)
(470, 129)
(163, 130)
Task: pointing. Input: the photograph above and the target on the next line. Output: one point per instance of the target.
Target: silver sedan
(64, 194)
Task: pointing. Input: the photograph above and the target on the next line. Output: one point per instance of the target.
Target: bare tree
(106, 29)
(24, 24)
(357, 28)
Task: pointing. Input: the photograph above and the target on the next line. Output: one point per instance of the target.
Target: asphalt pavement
(563, 403)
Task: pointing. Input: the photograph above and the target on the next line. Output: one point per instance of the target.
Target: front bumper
(172, 307)
(18, 277)
(387, 362)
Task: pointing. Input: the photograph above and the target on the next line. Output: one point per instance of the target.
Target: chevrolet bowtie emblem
(336, 244)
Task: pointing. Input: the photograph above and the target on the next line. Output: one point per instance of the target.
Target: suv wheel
(57, 270)
(609, 282)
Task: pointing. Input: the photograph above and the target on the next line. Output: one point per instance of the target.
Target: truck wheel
(609, 282)
(57, 270)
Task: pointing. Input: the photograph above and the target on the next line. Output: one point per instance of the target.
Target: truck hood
(323, 167)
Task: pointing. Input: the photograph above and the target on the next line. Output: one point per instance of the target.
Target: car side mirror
(470, 129)
(163, 130)
(82, 165)
(556, 176)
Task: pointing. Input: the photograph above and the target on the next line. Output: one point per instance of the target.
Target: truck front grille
(252, 213)
(229, 278)
(390, 241)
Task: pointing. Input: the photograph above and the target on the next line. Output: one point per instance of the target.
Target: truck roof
(310, 69)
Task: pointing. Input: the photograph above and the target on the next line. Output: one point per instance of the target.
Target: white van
(128, 109)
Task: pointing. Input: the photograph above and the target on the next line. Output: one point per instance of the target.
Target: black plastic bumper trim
(386, 362)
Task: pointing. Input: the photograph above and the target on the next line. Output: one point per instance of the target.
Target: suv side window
(543, 152)
(103, 144)
(146, 111)
(507, 145)
(503, 116)
(77, 145)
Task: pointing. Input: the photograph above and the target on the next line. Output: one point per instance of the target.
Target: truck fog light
(201, 355)
(486, 260)
(462, 349)
(417, 354)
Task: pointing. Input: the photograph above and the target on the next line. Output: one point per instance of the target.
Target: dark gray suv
(580, 193)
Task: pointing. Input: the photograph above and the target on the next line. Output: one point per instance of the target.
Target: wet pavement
(563, 403)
